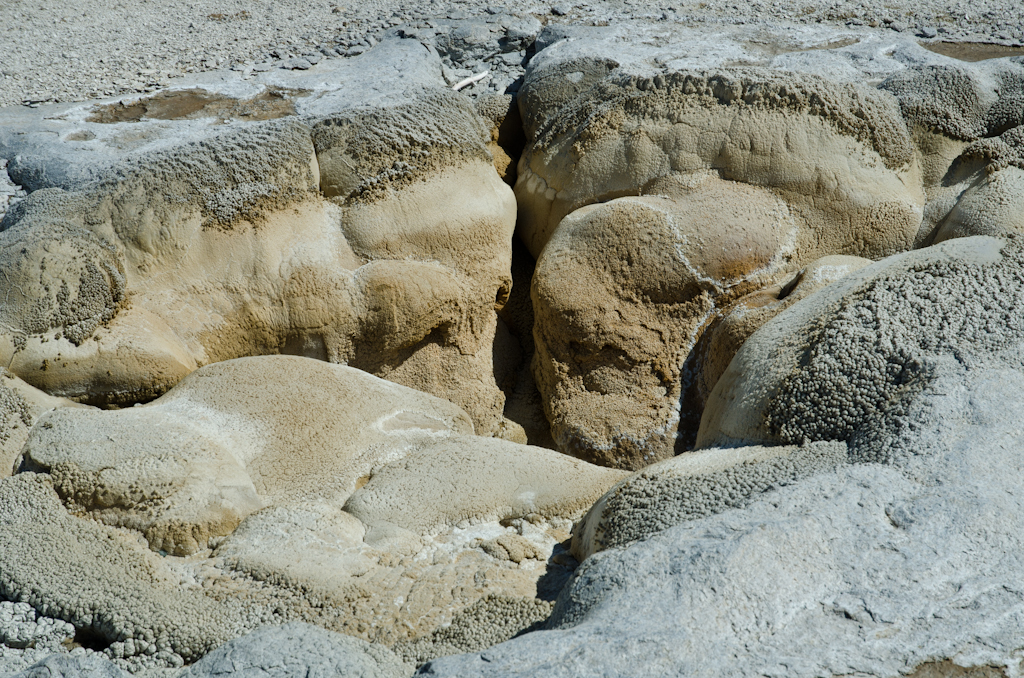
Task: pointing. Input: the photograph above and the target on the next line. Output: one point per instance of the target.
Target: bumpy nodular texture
(879, 345)
(695, 485)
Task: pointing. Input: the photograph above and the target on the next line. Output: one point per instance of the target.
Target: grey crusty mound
(882, 338)
(489, 621)
(103, 581)
(964, 102)
(843, 359)
(696, 485)
(298, 650)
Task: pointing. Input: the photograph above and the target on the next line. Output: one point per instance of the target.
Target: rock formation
(563, 344)
(894, 553)
(301, 482)
(322, 237)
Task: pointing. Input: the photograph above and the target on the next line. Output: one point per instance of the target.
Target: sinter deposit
(520, 340)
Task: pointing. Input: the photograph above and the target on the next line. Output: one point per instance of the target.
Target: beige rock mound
(839, 155)
(325, 493)
(623, 291)
(462, 480)
(20, 406)
(744, 175)
(993, 201)
(232, 438)
(330, 241)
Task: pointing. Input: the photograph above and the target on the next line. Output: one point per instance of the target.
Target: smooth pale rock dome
(230, 439)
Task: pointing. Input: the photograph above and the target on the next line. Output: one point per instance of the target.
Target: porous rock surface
(298, 649)
(73, 666)
(741, 177)
(695, 485)
(27, 637)
(734, 324)
(966, 119)
(905, 562)
(320, 235)
(105, 582)
(20, 407)
(310, 491)
(844, 359)
(487, 622)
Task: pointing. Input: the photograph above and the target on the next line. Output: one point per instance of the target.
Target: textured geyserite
(744, 175)
(886, 544)
(377, 235)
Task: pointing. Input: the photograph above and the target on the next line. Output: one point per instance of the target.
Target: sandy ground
(57, 51)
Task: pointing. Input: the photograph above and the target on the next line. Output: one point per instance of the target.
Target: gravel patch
(59, 51)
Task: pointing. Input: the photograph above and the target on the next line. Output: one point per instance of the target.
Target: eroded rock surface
(322, 236)
(292, 489)
(700, 211)
(904, 560)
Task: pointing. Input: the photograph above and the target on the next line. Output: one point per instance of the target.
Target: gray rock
(21, 627)
(298, 650)
(872, 569)
(72, 666)
(297, 64)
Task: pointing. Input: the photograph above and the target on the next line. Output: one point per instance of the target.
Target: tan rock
(744, 175)
(258, 459)
(469, 479)
(993, 204)
(622, 293)
(839, 155)
(328, 241)
(230, 439)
